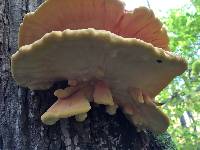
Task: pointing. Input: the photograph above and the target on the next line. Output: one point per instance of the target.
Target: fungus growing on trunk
(109, 56)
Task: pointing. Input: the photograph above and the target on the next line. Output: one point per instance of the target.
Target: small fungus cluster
(109, 56)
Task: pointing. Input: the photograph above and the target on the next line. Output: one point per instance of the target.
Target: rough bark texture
(20, 108)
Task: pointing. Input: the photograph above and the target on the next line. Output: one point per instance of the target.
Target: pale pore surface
(77, 55)
(88, 54)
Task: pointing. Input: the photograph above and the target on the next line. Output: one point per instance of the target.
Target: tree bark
(20, 108)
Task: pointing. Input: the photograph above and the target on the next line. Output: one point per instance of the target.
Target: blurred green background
(182, 97)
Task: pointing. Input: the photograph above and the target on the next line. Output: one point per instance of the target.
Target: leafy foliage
(196, 67)
(182, 96)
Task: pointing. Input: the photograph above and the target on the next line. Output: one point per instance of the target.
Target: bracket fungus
(109, 56)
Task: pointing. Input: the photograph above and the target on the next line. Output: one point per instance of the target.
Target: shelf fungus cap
(77, 54)
(108, 15)
(71, 40)
(68, 107)
(145, 115)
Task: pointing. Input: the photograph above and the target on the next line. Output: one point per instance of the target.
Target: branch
(148, 3)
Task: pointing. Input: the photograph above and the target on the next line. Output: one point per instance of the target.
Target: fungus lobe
(110, 56)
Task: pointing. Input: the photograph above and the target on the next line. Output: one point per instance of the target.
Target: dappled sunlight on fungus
(109, 55)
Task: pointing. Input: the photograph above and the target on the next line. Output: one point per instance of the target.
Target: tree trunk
(20, 108)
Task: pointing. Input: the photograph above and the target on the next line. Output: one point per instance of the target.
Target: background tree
(182, 96)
